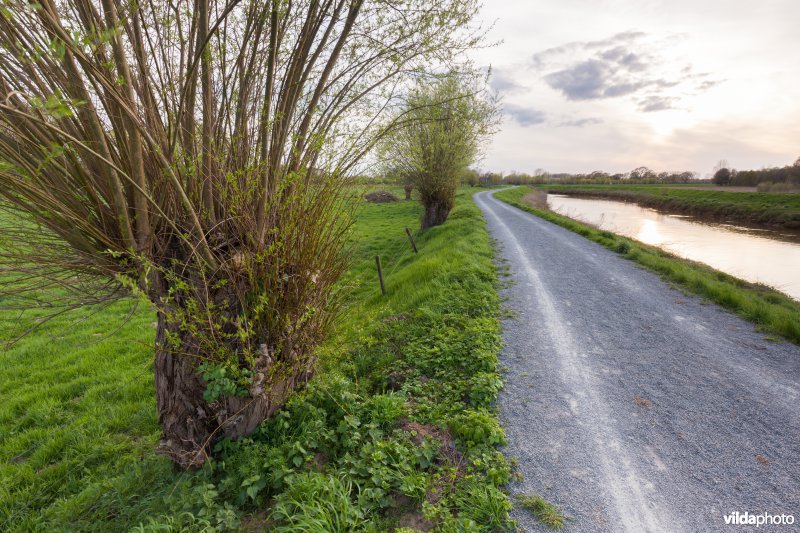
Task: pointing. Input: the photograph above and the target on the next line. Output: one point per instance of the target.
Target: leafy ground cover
(771, 209)
(396, 430)
(771, 310)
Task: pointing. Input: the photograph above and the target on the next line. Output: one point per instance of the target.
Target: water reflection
(762, 256)
(649, 233)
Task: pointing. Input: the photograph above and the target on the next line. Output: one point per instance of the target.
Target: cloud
(524, 116)
(580, 123)
(700, 80)
(504, 82)
(624, 57)
(706, 85)
(541, 58)
(657, 103)
(594, 79)
(626, 64)
(623, 88)
(584, 81)
(613, 71)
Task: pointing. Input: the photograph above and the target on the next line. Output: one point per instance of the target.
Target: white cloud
(524, 116)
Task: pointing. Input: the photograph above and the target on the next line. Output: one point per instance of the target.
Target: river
(757, 255)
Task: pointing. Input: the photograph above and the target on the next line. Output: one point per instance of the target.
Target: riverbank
(771, 310)
(775, 210)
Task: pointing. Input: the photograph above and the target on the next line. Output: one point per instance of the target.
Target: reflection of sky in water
(649, 233)
(754, 255)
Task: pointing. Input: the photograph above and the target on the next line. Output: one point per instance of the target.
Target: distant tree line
(766, 179)
(775, 178)
(642, 175)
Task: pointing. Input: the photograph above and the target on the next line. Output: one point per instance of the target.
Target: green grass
(771, 310)
(397, 425)
(545, 512)
(773, 209)
(77, 422)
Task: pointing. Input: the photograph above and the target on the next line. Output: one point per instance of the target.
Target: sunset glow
(615, 85)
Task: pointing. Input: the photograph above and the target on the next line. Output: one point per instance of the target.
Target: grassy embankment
(771, 310)
(769, 209)
(397, 429)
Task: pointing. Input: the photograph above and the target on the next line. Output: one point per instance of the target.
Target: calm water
(763, 256)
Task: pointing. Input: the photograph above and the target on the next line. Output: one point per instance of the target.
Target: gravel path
(630, 405)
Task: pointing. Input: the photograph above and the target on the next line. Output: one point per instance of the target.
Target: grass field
(397, 429)
(769, 209)
(771, 310)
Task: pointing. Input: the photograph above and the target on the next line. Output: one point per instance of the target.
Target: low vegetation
(778, 186)
(536, 198)
(381, 197)
(770, 209)
(771, 310)
(396, 430)
(546, 512)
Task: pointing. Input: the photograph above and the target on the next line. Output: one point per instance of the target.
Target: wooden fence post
(411, 238)
(380, 274)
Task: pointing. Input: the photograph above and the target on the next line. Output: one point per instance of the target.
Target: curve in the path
(630, 405)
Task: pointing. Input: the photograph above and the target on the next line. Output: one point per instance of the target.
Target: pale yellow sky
(672, 85)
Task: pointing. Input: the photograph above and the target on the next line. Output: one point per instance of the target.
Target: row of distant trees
(638, 175)
(723, 174)
(789, 175)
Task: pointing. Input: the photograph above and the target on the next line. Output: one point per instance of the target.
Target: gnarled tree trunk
(436, 211)
(189, 423)
(185, 417)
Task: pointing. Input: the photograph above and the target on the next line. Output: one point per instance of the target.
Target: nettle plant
(194, 153)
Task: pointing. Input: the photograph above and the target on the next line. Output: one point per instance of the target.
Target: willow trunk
(436, 211)
(190, 424)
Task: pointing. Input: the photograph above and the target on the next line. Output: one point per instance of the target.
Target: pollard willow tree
(446, 120)
(193, 153)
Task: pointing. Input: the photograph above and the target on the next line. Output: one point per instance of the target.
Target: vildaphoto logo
(758, 520)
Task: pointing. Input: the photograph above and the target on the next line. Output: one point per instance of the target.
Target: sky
(617, 84)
